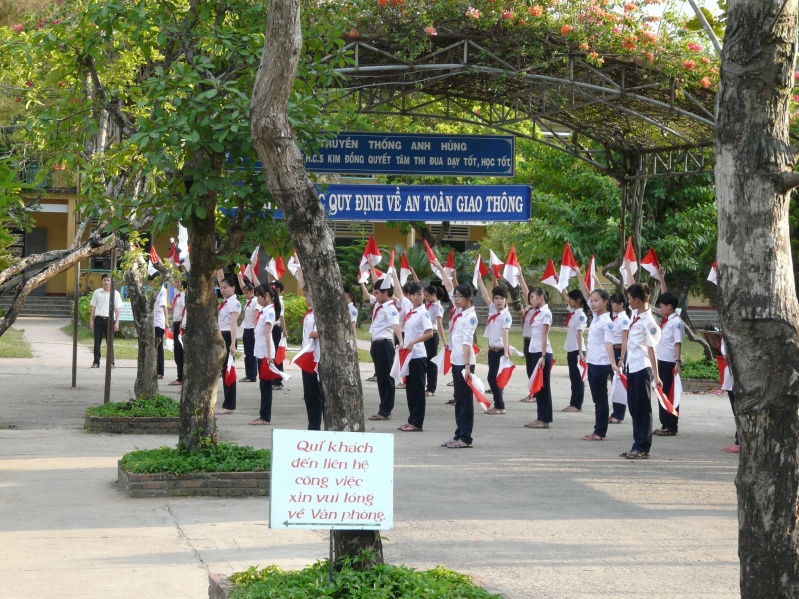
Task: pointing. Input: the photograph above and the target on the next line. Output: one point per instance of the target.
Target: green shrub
(700, 369)
(159, 406)
(383, 581)
(224, 457)
(294, 309)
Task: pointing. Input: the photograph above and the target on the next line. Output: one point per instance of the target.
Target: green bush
(159, 406)
(294, 309)
(224, 457)
(700, 369)
(383, 581)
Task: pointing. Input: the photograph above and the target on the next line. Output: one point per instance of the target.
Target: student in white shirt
(576, 322)
(529, 316)
(353, 311)
(178, 310)
(436, 313)
(620, 317)
(498, 324)
(600, 360)
(313, 393)
(159, 324)
(385, 326)
(248, 334)
(669, 357)
(98, 321)
(643, 337)
(540, 352)
(264, 348)
(228, 315)
(727, 385)
(416, 329)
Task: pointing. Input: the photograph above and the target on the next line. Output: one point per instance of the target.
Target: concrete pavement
(534, 513)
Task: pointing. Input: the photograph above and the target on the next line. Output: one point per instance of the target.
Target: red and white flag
(388, 279)
(449, 267)
(506, 368)
(713, 277)
(582, 366)
(591, 280)
(174, 253)
(371, 255)
(721, 362)
(536, 381)
(266, 373)
(431, 257)
(275, 267)
(401, 365)
(550, 276)
(230, 371)
(480, 271)
(495, 264)
(443, 360)
(478, 389)
(631, 260)
(650, 263)
(405, 269)
(618, 389)
(252, 268)
(169, 339)
(154, 255)
(280, 352)
(294, 264)
(183, 246)
(568, 268)
(511, 271)
(151, 270)
(665, 402)
(675, 395)
(304, 358)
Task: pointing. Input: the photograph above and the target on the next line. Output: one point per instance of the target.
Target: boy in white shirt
(497, 326)
(669, 357)
(228, 316)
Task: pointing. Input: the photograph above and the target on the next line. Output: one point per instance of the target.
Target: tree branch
(787, 181)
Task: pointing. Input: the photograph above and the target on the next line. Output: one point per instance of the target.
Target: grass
(124, 349)
(382, 581)
(159, 406)
(224, 457)
(13, 345)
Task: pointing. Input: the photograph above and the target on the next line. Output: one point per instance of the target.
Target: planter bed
(134, 426)
(699, 385)
(194, 484)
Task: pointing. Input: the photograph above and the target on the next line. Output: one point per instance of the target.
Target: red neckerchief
(664, 322)
(222, 305)
(257, 316)
(377, 309)
(451, 311)
(407, 316)
(453, 321)
(430, 305)
(174, 300)
(568, 318)
(492, 318)
(636, 319)
(306, 315)
(535, 313)
(247, 305)
(614, 316)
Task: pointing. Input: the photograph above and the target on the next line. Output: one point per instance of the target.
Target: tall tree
(757, 295)
(292, 190)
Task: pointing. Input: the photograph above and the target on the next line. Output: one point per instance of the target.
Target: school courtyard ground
(530, 513)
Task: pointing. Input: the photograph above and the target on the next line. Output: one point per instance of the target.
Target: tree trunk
(284, 169)
(141, 303)
(757, 294)
(204, 348)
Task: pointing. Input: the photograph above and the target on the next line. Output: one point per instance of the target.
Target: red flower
(535, 11)
(566, 29)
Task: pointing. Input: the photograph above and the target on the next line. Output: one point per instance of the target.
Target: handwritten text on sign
(325, 480)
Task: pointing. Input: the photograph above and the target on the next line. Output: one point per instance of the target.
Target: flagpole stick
(75, 315)
(109, 344)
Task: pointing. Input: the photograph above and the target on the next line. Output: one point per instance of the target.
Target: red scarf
(222, 305)
(492, 318)
(535, 313)
(663, 323)
(377, 309)
(407, 316)
(568, 318)
(174, 301)
(247, 305)
(453, 321)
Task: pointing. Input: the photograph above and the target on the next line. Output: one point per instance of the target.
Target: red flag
(265, 373)
(550, 276)
(629, 258)
(447, 360)
(512, 268)
(651, 264)
(280, 353)
(552, 364)
(495, 263)
(371, 254)
(591, 280)
(449, 267)
(275, 267)
(583, 366)
(405, 269)
(480, 271)
(536, 381)
(174, 254)
(294, 264)
(568, 268)
(399, 369)
(478, 389)
(304, 359)
(721, 361)
(665, 402)
(154, 255)
(618, 390)
(475, 349)
(675, 394)
(506, 368)
(713, 277)
(230, 371)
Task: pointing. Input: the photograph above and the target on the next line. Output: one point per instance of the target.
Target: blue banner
(415, 154)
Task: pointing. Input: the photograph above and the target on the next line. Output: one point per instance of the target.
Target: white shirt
(599, 333)
(462, 333)
(496, 323)
(576, 326)
(384, 316)
(100, 302)
(178, 308)
(644, 333)
(250, 308)
(728, 383)
(436, 311)
(309, 326)
(353, 312)
(671, 333)
(415, 324)
(527, 318)
(453, 314)
(538, 319)
(404, 306)
(227, 309)
(621, 322)
(159, 316)
(265, 316)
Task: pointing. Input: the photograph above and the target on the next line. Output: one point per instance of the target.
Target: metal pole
(706, 26)
(75, 321)
(109, 344)
(330, 561)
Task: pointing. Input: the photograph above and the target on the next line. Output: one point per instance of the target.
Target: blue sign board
(415, 154)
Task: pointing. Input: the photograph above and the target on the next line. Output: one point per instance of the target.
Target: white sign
(125, 312)
(331, 480)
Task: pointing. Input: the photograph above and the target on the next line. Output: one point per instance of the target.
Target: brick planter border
(699, 385)
(131, 426)
(195, 484)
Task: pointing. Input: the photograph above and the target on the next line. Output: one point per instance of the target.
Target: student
(575, 325)
(643, 337)
(98, 321)
(528, 316)
(620, 317)
(416, 329)
(312, 390)
(159, 324)
(178, 310)
(601, 360)
(461, 338)
(279, 331)
(248, 334)
(540, 352)
(353, 311)
(227, 317)
(436, 313)
(669, 356)
(385, 325)
(497, 326)
(727, 385)
(264, 348)
(449, 285)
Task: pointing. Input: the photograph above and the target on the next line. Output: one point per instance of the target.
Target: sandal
(451, 384)
(637, 455)
(259, 421)
(222, 411)
(429, 393)
(379, 417)
(593, 438)
(401, 386)
(175, 384)
(537, 424)
(495, 411)
(571, 409)
(457, 444)
(665, 432)
(95, 366)
(409, 428)
(613, 420)
(371, 379)
(451, 402)
(527, 399)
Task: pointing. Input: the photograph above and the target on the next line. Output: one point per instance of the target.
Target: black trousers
(577, 384)
(383, 357)
(731, 395)
(598, 382)
(414, 391)
(229, 390)
(265, 412)
(543, 398)
(494, 358)
(431, 346)
(666, 374)
(100, 332)
(178, 352)
(528, 360)
(277, 334)
(314, 397)
(619, 409)
(639, 400)
(464, 406)
(250, 361)
(159, 347)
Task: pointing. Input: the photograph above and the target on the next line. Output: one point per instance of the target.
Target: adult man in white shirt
(98, 321)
